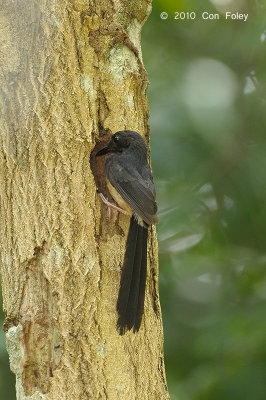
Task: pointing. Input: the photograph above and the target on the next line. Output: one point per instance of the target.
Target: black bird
(130, 183)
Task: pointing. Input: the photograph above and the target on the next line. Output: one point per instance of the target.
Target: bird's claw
(111, 205)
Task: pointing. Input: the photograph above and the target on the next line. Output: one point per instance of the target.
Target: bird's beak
(103, 151)
(109, 148)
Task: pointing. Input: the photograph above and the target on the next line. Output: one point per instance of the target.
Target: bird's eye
(116, 139)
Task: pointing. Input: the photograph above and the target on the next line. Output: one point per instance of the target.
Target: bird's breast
(118, 198)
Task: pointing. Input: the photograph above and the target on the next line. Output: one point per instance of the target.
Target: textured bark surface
(71, 73)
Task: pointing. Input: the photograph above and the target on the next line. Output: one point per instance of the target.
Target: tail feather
(127, 271)
(130, 302)
(142, 282)
(132, 305)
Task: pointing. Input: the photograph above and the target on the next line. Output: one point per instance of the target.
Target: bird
(130, 183)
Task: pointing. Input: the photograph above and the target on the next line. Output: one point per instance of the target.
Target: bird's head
(122, 141)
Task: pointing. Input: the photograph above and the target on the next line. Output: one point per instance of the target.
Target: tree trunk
(71, 73)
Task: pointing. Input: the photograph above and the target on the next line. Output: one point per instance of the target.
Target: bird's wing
(135, 186)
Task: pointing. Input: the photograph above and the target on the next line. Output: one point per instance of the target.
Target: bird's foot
(111, 205)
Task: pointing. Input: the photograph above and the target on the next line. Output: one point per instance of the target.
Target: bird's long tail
(130, 303)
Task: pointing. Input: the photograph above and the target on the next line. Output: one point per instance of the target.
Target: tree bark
(71, 74)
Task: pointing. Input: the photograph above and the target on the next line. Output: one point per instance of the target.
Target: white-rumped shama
(130, 183)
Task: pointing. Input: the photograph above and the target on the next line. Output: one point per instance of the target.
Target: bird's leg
(111, 205)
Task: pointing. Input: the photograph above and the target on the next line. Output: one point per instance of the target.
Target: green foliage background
(208, 122)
